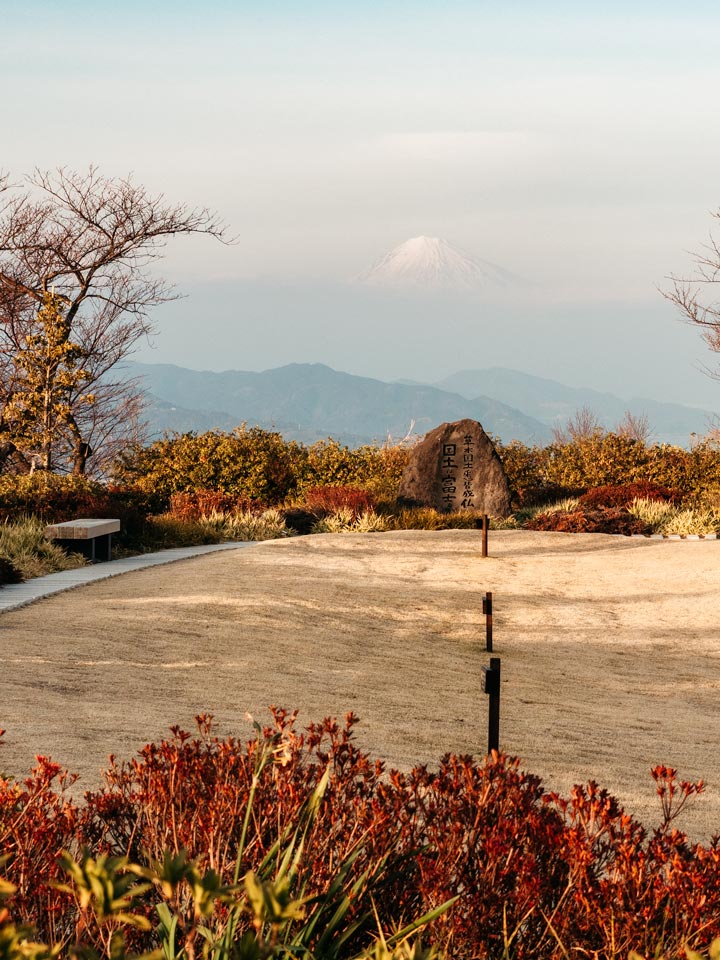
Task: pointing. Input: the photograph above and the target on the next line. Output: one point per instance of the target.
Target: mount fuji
(431, 263)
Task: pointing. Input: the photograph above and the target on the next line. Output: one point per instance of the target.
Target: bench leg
(96, 549)
(103, 548)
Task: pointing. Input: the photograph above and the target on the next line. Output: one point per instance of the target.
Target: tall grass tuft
(268, 525)
(427, 518)
(344, 521)
(24, 544)
(667, 519)
(568, 505)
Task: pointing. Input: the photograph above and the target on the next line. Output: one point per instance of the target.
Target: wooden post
(492, 687)
(485, 525)
(488, 611)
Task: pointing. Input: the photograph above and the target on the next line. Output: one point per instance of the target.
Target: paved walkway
(17, 595)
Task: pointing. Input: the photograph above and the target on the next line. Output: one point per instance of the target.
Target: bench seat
(91, 538)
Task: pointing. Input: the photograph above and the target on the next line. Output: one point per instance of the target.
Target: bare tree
(634, 427)
(90, 240)
(583, 424)
(694, 296)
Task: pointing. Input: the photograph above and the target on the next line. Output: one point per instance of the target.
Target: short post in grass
(482, 523)
(488, 611)
(491, 686)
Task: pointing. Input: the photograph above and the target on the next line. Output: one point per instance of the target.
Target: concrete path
(17, 595)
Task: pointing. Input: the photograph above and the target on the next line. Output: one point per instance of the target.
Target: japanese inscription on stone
(455, 468)
(456, 473)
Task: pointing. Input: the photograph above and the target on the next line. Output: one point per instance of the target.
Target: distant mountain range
(553, 403)
(308, 402)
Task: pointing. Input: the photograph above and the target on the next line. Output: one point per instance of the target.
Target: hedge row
(252, 468)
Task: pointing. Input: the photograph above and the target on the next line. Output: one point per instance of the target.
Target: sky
(575, 144)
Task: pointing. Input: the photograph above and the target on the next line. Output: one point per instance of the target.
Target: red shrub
(325, 500)
(517, 856)
(622, 495)
(37, 821)
(590, 521)
(194, 504)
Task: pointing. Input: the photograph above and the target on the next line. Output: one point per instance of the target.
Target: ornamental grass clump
(24, 545)
(345, 521)
(246, 525)
(567, 505)
(427, 518)
(668, 520)
(693, 521)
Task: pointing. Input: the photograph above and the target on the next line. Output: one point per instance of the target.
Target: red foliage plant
(604, 520)
(326, 500)
(537, 875)
(195, 504)
(622, 495)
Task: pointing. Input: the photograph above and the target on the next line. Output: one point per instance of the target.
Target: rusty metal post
(491, 686)
(485, 526)
(488, 611)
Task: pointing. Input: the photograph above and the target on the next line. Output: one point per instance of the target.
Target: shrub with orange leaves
(329, 499)
(536, 875)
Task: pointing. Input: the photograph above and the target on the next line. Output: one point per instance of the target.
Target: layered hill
(554, 403)
(309, 401)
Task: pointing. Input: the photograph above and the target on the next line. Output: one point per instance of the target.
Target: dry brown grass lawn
(610, 653)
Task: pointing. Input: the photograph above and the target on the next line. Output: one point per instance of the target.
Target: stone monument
(456, 467)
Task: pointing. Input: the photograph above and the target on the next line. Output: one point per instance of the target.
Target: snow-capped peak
(433, 263)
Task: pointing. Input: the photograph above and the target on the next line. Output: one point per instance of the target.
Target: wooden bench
(91, 538)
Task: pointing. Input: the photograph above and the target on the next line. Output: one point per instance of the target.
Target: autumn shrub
(602, 520)
(256, 464)
(329, 499)
(50, 497)
(376, 469)
(195, 504)
(249, 462)
(526, 471)
(601, 458)
(690, 471)
(536, 875)
(709, 497)
(621, 495)
(37, 821)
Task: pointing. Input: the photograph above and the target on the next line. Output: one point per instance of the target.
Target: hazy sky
(575, 144)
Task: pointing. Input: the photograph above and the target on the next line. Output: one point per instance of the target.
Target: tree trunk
(82, 452)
